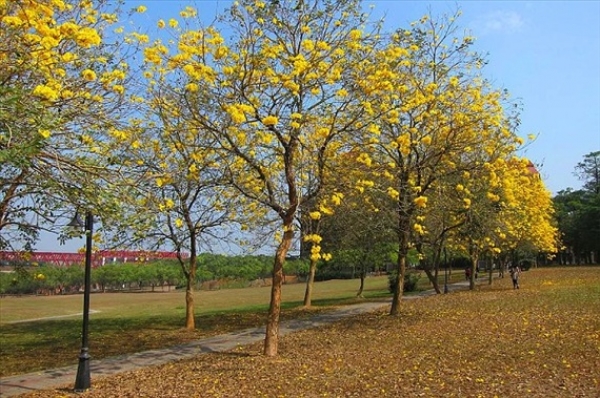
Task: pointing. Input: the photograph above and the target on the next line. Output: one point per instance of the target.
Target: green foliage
(460, 263)
(234, 271)
(411, 278)
(297, 267)
(218, 266)
(578, 214)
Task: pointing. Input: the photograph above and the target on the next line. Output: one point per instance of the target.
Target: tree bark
(401, 267)
(190, 322)
(361, 288)
(474, 260)
(310, 283)
(272, 332)
(190, 276)
(433, 279)
(398, 285)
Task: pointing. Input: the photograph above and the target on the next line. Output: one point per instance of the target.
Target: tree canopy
(285, 113)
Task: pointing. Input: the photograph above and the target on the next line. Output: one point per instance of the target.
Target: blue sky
(545, 53)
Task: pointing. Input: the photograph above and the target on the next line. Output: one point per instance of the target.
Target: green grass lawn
(48, 328)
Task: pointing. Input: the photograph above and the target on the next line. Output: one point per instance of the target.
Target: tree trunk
(361, 288)
(433, 279)
(401, 267)
(474, 260)
(312, 269)
(272, 332)
(190, 276)
(398, 284)
(190, 322)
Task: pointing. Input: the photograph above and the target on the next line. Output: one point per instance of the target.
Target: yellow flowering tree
(438, 118)
(442, 215)
(61, 91)
(526, 212)
(509, 209)
(310, 220)
(276, 99)
(181, 200)
(360, 234)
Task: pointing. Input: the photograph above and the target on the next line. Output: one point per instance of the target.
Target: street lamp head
(76, 222)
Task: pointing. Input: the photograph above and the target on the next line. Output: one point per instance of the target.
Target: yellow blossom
(336, 198)
(45, 92)
(315, 215)
(270, 121)
(355, 34)
(87, 37)
(418, 228)
(89, 75)
(393, 193)
(191, 87)
(314, 238)
(421, 201)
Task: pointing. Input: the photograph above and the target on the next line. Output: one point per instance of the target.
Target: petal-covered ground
(542, 340)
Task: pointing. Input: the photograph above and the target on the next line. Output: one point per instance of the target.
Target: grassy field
(41, 332)
(540, 341)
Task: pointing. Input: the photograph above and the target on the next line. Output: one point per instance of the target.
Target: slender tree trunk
(190, 275)
(272, 332)
(312, 269)
(361, 288)
(474, 260)
(433, 279)
(190, 322)
(401, 266)
(399, 285)
(401, 270)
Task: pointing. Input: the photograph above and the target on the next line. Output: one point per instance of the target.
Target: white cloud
(499, 21)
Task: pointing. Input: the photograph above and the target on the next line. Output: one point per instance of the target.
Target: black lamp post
(83, 380)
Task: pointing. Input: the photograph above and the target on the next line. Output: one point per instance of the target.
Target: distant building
(99, 258)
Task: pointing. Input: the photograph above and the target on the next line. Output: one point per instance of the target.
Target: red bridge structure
(99, 258)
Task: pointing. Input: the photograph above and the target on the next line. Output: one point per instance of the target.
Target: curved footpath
(53, 378)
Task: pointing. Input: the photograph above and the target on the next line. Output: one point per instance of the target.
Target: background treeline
(229, 271)
(578, 215)
(215, 272)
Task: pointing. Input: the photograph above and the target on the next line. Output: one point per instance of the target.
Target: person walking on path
(515, 273)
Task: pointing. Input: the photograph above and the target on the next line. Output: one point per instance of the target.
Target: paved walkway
(52, 378)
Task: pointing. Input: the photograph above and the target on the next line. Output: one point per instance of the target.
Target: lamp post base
(83, 380)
